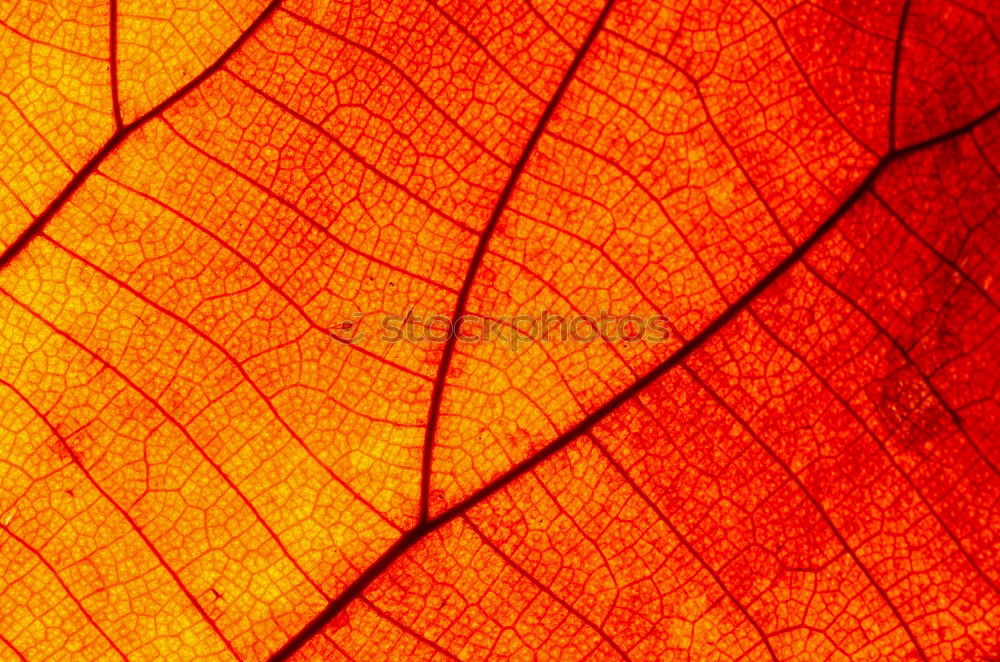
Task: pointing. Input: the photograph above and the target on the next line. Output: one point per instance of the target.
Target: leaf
(211, 452)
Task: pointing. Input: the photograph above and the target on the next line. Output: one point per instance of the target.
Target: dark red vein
(428, 526)
(897, 58)
(116, 107)
(480, 252)
(11, 646)
(123, 132)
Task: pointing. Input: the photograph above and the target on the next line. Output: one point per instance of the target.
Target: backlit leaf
(208, 449)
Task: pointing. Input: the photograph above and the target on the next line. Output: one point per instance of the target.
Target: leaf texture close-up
(215, 211)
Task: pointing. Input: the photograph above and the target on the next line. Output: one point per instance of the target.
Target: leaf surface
(195, 468)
